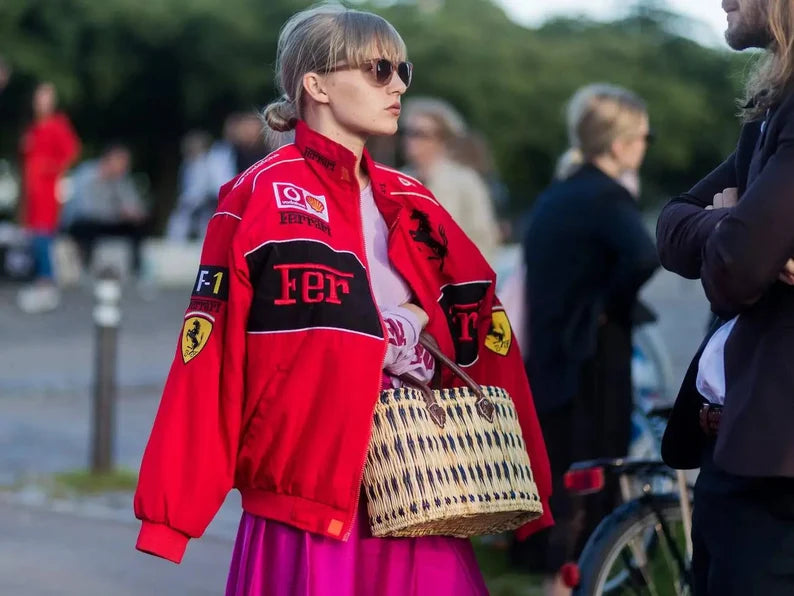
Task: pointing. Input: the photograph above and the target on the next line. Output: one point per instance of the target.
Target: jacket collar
(328, 159)
(332, 162)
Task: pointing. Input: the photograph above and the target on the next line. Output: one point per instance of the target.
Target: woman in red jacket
(319, 270)
(49, 146)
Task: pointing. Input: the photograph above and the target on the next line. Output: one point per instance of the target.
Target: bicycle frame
(683, 568)
(626, 470)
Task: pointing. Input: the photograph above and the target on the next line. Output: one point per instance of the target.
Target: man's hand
(725, 199)
(787, 275)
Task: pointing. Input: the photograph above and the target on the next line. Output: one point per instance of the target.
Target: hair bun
(281, 115)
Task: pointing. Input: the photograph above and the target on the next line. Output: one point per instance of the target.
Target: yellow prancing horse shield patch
(500, 336)
(195, 333)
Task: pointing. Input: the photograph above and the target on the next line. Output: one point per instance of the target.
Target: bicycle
(644, 546)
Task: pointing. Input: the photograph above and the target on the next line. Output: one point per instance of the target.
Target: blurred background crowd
(161, 99)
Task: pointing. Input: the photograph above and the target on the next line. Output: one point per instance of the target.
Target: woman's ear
(314, 86)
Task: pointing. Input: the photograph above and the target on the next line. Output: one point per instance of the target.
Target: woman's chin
(387, 129)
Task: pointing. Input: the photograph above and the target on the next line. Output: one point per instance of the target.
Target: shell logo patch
(196, 331)
(500, 336)
(315, 203)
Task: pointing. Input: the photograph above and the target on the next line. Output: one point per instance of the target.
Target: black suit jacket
(587, 253)
(737, 254)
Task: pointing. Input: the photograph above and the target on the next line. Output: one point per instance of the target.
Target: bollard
(107, 316)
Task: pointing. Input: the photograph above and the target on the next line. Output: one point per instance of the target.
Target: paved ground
(683, 315)
(86, 547)
(45, 378)
(52, 554)
(53, 353)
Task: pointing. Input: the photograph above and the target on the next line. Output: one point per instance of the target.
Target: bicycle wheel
(631, 554)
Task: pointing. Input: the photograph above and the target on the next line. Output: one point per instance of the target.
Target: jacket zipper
(385, 339)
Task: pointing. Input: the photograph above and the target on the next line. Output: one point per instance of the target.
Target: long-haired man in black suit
(734, 417)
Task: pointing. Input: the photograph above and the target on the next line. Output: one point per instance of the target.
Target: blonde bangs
(363, 36)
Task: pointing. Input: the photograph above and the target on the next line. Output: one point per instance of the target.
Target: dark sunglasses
(382, 70)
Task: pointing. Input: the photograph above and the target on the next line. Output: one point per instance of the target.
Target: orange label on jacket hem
(335, 527)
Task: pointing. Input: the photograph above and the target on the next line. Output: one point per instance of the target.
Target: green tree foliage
(141, 72)
(513, 83)
(146, 71)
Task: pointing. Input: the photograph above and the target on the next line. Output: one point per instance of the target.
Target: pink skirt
(274, 559)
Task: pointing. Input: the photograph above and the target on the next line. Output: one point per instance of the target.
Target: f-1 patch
(212, 282)
(195, 332)
(291, 196)
(500, 336)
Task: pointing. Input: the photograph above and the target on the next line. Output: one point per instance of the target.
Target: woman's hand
(404, 324)
(418, 313)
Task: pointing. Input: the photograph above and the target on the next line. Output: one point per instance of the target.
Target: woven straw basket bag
(447, 462)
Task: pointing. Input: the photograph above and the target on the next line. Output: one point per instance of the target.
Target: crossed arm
(741, 245)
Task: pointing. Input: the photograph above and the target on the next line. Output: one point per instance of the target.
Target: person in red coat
(49, 146)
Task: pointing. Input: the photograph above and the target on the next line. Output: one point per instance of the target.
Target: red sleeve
(188, 465)
(501, 364)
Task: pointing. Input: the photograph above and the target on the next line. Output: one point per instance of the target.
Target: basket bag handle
(485, 407)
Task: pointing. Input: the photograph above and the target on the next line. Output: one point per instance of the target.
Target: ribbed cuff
(162, 541)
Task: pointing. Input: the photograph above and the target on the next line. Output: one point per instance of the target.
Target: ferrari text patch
(461, 304)
(195, 333)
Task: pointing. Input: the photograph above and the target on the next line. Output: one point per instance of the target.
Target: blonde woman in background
(430, 128)
(587, 254)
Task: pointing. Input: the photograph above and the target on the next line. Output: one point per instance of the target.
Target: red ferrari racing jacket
(279, 363)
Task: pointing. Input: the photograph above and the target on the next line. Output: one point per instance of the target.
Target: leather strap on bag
(485, 407)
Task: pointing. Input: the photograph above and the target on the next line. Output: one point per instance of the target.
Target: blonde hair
(450, 123)
(316, 39)
(597, 115)
(772, 74)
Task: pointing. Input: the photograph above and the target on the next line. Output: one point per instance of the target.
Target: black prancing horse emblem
(424, 235)
(192, 334)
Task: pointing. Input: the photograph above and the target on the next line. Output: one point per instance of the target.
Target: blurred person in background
(106, 203)
(249, 141)
(275, 380)
(5, 73)
(474, 151)
(8, 184)
(221, 159)
(587, 254)
(429, 129)
(198, 193)
(49, 146)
